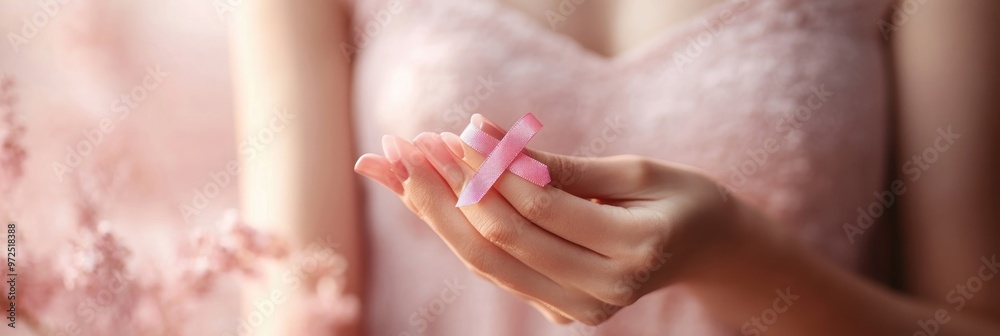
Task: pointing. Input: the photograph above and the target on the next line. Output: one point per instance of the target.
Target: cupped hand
(606, 232)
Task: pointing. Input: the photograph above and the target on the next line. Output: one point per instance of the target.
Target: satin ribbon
(502, 155)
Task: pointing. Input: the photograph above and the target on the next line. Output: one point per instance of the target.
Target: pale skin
(658, 217)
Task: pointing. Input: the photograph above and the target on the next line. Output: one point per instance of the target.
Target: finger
(378, 169)
(398, 169)
(575, 219)
(566, 263)
(586, 177)
(434, 199)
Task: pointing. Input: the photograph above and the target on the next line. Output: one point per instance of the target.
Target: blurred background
(117, 132)
(89, 196)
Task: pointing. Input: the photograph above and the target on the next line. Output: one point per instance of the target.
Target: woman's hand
(611, 230)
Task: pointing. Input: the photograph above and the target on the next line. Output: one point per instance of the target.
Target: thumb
(587, 177)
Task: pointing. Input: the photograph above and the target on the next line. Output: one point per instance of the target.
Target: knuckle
(642, 170)
(618, 293)
(563, 171)
(650, 257)
(498, 233)
(536, 207)
(633, 276)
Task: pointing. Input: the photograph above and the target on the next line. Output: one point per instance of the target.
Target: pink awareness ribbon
(502, 155)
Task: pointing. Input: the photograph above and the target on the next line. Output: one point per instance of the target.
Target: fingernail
(370, 168)
(411, 157)
(454, 144)
(361, 167)
(477, 120)
(440, 156)
(480, 122)
(391, 148)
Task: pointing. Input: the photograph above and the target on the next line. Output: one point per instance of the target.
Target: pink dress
(784, 101)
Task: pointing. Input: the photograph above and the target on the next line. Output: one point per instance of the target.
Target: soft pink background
(95, 50)
(67, 77)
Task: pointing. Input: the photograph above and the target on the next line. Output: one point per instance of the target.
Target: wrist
(760, 274)
(743, 267)
(739, 236)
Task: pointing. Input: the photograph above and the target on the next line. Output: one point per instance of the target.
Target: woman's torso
(783, 101)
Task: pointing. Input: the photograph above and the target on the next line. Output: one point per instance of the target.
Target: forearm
(771, 283)
(296, 177)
